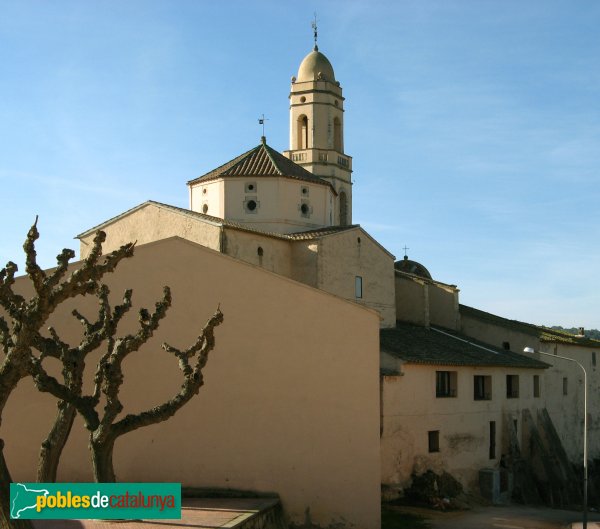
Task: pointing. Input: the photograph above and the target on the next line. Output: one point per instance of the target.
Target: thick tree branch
(12, 303)
(62, 259)
(35, 273)
(110, 377)
(193, 380)
(5, 335)
(84, 280)
(52, 347)
(48, 384)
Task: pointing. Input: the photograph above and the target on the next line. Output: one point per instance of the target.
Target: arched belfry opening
(302, 132)
(337, 135)
(317, 131)
(343, 209)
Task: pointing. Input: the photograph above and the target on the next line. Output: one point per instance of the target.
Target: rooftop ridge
(440, 346)
(261, 161)
(545, 334)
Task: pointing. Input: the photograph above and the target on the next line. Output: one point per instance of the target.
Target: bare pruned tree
(73, 361)
(106, 427)
(24, 317)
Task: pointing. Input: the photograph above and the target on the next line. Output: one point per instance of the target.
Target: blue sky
(474, 126)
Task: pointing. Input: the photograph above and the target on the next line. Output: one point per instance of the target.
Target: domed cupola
(317, 129)
(412, 267)
(315, 66)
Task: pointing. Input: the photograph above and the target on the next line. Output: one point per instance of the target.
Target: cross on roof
(261, 121)
(314, 26)
(405, 248)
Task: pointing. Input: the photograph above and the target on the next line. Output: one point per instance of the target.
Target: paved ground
(511, 517)
(196, 513)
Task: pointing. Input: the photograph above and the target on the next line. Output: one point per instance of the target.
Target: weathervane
(314, 26)
(261, 121)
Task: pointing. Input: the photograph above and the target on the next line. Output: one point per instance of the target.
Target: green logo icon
(39, 501)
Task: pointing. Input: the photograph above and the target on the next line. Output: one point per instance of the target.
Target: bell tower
(317, 129)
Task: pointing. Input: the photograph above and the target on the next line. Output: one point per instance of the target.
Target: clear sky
(474, 126)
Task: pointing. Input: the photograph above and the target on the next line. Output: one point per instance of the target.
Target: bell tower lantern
(317, 129)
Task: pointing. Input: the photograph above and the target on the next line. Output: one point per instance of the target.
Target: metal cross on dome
(314, 26)
(405, 249)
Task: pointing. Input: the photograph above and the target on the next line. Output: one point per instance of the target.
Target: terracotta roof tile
(261, 161)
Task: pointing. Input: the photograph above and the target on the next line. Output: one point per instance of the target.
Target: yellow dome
(315, 66)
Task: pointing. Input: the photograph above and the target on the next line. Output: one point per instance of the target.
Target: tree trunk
(53, 445)
(5, 480)
(102, 460)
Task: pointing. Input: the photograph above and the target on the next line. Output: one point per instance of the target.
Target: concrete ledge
(199, 513)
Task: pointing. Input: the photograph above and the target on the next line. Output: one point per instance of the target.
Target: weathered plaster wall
(151, 223)
(291, 396)
(276, 253)
(412, 300)
(345, 255)
(305, 262)
(209, 194)
(566, 411)
(279, 201)
(426, 302)
(411, 410)
(443, 306)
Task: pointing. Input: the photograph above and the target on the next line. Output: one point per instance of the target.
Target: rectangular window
(492, 439)
(482, 387)
(512, 386)
(434, 440)
(565, 386)
(536, 386)
(358, 287)
(445, 384)
(594, 359)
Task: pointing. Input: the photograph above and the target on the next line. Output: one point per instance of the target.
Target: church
(338, 369)
(290, 213)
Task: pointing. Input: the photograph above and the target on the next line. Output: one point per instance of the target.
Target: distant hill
(594, 334)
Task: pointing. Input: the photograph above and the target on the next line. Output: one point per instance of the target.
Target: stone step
(199, 513)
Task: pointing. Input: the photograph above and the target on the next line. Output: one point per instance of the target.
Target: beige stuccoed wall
(443, 306)
(150, 223)
(290, 403)
(279, 200)
(341, 257)
(211, 194)
(305, 262)
(426, 302)
(277, 253)
(412, 300)
(411, 410)
(566, 411)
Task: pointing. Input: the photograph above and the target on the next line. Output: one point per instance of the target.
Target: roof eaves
(214, 173)
(422, 279)
(112, 219)
(544, 334)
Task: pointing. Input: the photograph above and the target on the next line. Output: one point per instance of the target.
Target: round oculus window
(251, 205)
(304, 208)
